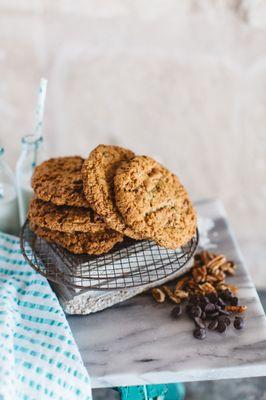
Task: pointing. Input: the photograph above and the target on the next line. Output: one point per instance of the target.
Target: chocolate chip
(225, 319)
(199, 333)
(239, 323)
(226, 295)
(206, 299)
(221, 302)
(194, 299)
(213, 315)
(195, 311)
(209, 308)
(203, 315)
(188, 307)
(176, 312)
(198, 321)
(234, 301)
(213, 298)
(224, 312)
(221, 327)
(213, 325)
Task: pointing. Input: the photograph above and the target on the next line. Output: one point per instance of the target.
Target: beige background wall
(184, 81)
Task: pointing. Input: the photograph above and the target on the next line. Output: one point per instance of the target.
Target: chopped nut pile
(210, 300)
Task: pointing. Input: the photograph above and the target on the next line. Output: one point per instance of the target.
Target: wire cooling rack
(129, 264)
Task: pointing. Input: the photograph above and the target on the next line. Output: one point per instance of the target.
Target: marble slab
(136, 342)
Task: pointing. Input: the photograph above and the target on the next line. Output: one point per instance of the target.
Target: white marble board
(136, 342)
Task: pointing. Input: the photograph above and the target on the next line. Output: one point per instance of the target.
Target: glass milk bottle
(9, 219)
(31, 155)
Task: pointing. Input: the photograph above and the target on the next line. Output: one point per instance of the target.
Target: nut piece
(158, 295)
(236, 309)
(181, 294)
(206, 256)
(223, 286)
(233, 288)
(211, 279)
(207, 288)
(181, 283)
(229, 268)
(216, 263)
(192, 284)
(199, 274)
(219, 275)
(171, 295)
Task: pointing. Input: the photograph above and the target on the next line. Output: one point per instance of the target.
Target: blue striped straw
(40, 108)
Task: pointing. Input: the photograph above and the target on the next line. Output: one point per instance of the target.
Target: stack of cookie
(60, 213)
(113, 193)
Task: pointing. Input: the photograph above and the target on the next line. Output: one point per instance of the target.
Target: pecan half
(158, 295)
(219, 275)
(207, 288)
(228, 268)
(206, 256)
(216, 262)
(171, 294)
(181, 283)
(199, 274)
(181, 294)
(233, 288)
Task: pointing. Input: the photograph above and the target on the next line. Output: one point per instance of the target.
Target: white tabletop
(137, 342)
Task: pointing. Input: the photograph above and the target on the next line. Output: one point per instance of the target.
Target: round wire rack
(129, 264)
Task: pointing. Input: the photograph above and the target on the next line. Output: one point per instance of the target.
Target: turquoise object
(174, 391)
(31, 155)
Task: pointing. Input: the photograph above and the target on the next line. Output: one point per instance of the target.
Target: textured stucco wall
(184, 81)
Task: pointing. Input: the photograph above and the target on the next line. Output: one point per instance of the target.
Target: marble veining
(136, 342)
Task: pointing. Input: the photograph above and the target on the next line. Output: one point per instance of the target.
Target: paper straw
(1, 183)
(40, 108)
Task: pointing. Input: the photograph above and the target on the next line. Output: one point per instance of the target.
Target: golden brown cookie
(64, 218)
(59, 180)
(79, 242)
(98, 173)
(153, 202)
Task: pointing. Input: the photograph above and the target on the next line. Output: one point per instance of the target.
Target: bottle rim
(31, 140)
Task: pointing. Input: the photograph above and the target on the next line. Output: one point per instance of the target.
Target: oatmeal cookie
(79, 242)
(59, 180)
(98, 173)
(64, 218)
(153, 202)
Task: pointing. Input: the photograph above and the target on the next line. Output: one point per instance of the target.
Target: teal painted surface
(174, 391)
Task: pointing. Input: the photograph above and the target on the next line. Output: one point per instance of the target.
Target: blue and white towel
(39, 358)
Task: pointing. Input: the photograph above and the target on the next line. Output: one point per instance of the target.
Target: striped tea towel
(39, 358)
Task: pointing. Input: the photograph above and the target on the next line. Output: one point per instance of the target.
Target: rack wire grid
(129, 264)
